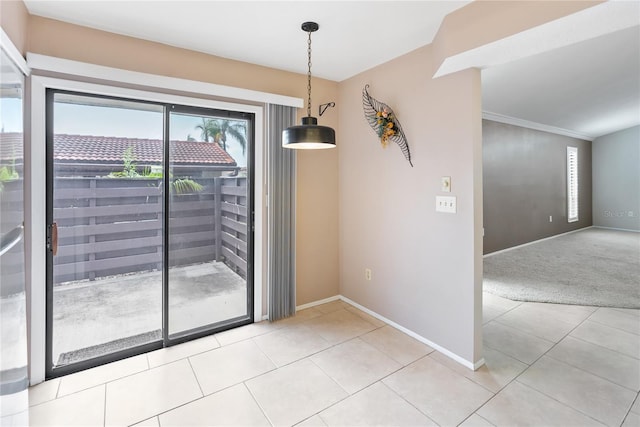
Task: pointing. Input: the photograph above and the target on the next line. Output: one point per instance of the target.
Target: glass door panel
(209, 256)
(105, 227)
(14, 381)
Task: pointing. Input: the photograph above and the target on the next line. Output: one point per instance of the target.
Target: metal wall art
(384, 122)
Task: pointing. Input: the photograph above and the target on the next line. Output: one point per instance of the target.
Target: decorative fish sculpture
(384, 122)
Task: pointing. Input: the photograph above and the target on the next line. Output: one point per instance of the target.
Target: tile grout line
(558, 401)
(248, 379)
(613, 327)
(170, 409)
(265, 355)
(349, 395)
(195, 376)
(478, 415)
(328, 342)
(629, 410)
(58, 389)
(591, 373)
(505, 312)
(541, 356)
(369, 385)
(601, 346)
(530, 365)
(515, 379)
(264, 413)
(401, 396)
(107, 381)
(467, 378)
(494, 393)
(538, 336)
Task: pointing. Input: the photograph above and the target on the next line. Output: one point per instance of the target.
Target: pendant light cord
(309, 76)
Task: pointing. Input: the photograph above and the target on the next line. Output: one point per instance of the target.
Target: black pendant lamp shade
(309, 135)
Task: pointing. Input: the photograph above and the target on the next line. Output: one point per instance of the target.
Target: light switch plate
(446, 204)
(445, 184)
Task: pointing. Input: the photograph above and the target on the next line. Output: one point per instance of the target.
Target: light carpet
(593, 266)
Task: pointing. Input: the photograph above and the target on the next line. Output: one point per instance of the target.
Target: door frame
(35, 158)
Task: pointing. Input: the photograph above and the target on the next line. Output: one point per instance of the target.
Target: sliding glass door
(104, 228)
(148, 226)
(209, 223)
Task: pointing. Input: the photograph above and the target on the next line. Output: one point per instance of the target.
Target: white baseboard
(617, 229)
(308, 305)
(535, 241)
(319, 302)
(464, 362)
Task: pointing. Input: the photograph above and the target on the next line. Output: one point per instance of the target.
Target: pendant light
(309, 135)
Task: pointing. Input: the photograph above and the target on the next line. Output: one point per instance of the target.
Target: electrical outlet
(367, 273)
(550, 218)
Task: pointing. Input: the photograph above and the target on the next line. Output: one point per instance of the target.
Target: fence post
(217, 216)
(160, 217)
(92, 221)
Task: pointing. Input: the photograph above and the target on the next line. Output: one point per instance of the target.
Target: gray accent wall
(525, 182)
(616, 180)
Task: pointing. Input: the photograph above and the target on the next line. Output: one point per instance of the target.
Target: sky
(11, 114)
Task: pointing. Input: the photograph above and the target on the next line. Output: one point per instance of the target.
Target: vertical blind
(281, 199)
(572, 184)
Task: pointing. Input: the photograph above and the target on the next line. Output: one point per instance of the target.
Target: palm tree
(218, 129)
(208, 130)
(238, 130)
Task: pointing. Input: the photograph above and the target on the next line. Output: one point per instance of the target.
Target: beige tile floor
(333, 365)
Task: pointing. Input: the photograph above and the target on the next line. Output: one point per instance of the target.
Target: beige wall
(317, 177)
(425, 264)
(13, 19)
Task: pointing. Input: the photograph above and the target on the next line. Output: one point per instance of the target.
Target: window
(572, 184)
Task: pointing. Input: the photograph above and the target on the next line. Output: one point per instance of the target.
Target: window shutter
(572, 184)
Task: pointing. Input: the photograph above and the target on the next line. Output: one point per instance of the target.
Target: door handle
(52, 238)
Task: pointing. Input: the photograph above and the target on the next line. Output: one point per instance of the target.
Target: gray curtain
(281, 199)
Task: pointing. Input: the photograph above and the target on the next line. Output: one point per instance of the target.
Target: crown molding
(488, 115)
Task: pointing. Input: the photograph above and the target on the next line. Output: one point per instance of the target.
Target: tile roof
(107, 150)
(110, 149)
(11, 147)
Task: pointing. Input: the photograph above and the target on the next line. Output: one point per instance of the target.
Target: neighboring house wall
(317, 199)
(616, 180)
(525, 182)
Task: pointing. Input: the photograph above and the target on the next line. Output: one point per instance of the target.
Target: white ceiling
(353, 36)
(590, 88)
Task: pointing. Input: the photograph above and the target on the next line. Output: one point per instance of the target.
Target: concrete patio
(107, 314)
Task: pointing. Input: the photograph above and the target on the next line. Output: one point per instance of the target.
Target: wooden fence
(110, 226)
(11, 216)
